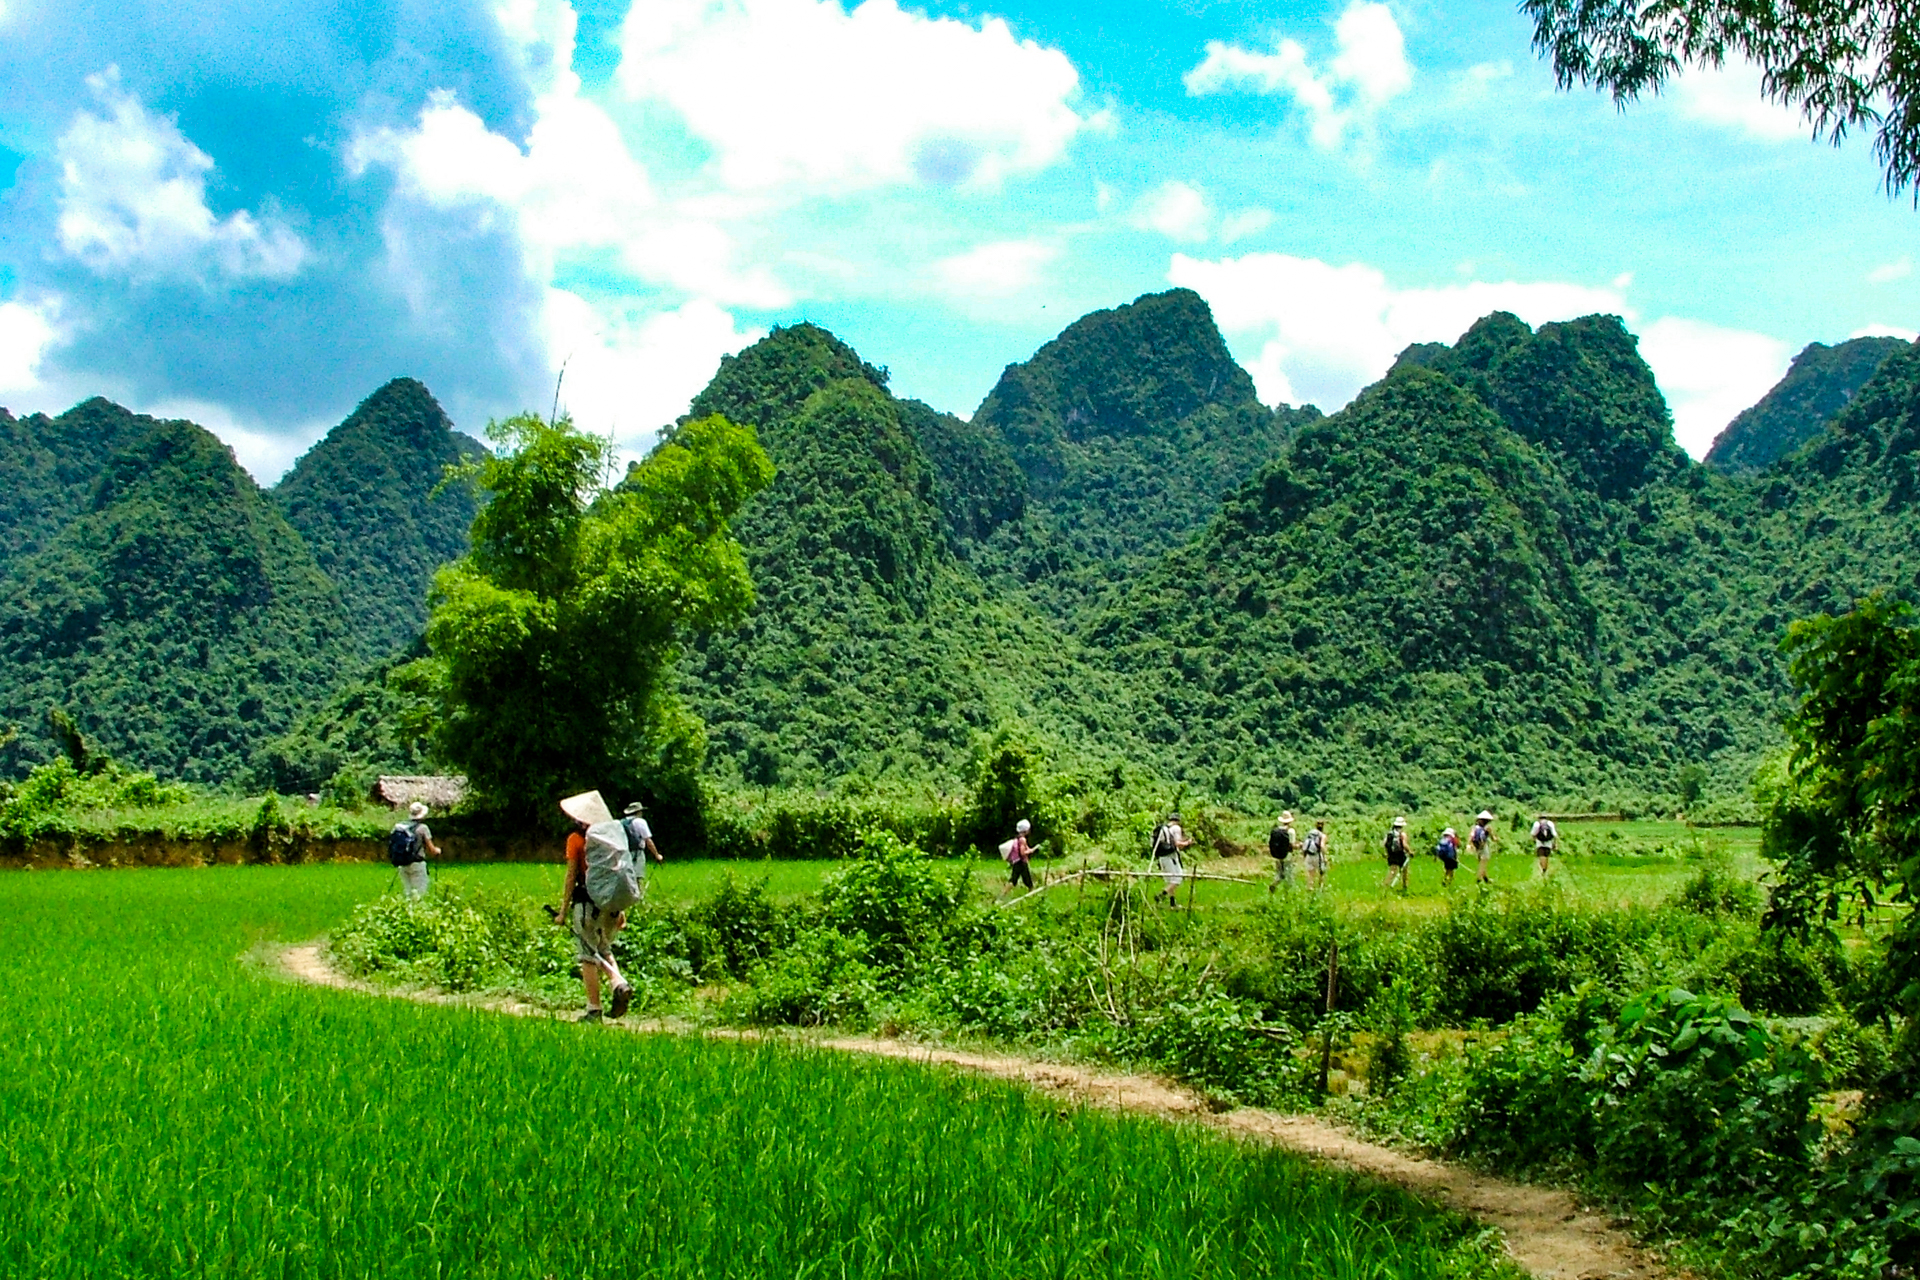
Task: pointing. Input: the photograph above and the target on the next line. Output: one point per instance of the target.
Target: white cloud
(1731, 97)
(1176, 210)
(1322, 332)
(1242, 223)
(629, 374)
(1369, 71)
(1709, 374)
(995, 270)
(25, 334)
(1475, 84)
(802, 93)
(265, 454)
(1886, 331)
(133, 200)
(1887, 272)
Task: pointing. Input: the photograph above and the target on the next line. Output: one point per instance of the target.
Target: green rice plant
(168, 1108)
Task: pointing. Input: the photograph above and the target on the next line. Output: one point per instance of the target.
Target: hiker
(1018, 852)
(1168, 841)
(1313, 855)
(1546, 837)
(1397, 868)
(408, 845)
(597, 850)
(1480, 840)
(1280, 847)
(640, 841)
(1448, 851)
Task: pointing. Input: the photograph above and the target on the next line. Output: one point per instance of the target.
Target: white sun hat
(1023, 826)
(587, 807)
(1399, 822)
(417, 810)
(1483, 816)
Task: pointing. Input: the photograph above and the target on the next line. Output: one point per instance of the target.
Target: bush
(893, 897)
(1224, 1046)
(821, 979)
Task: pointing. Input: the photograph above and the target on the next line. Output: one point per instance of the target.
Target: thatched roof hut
(398, 790)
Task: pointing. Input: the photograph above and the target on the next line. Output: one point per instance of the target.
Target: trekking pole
(1326, 1028)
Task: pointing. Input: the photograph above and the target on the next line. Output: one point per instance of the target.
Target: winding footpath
(1547, 1231)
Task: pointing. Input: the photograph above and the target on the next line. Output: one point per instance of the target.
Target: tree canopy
(1846, 65)
(550, 639)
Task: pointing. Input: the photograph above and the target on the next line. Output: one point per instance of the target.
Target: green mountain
(48, 467)
(364, 500)
(871, 646)
(176, 616)
(1128, 427)
(1818, 385)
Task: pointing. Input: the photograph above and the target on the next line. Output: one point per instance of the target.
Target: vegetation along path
(1547, 1231)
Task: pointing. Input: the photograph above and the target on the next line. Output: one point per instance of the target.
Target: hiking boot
(591, 1015)
(622, 997)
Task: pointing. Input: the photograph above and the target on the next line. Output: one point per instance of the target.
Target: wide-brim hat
(1399, 822)
(1449, 831)
(417, 810)
(587, 807)
(1483, 816)
(1286, 816)
(635, 807)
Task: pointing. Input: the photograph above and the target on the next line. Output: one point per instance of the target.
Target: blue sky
(252, 214)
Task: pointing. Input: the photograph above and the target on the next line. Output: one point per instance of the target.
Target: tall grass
(167, 1109)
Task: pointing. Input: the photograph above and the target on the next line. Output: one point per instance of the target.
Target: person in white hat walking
(1480, 840)
(594, 929)
(407, 848)
(1019, 856)
(1280, 847)
(1397, 859)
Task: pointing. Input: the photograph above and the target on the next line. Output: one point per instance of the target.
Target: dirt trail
(1547, 1231)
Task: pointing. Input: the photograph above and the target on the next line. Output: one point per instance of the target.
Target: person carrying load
(1280, 847)
(1480, 840)
(1168, 841)
(1397, 859)
(601, 884)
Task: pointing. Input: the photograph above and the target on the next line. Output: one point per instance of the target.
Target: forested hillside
(365, 500)
(1820, 383)
(176, 617)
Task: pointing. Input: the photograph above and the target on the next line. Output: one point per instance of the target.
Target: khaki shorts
(1171, 870)
(592, 932)
(1314, 862)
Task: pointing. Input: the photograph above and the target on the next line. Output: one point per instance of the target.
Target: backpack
(1280, 843)
(1162, 841)
(635, 843)
(1446, 849)
(1544, 832)
(1479, 836)
(611, 881)
(1006, 849)
(1392, 842)
(403, 844)
(1316, 842)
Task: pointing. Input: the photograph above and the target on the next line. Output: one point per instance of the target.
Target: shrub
(893, 897)
(1223, 1045)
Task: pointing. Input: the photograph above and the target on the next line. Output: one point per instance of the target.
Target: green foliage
(550, 639)
(893, 898)
(56, 790)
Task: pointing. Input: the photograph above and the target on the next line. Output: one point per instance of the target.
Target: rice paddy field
(171, 1107)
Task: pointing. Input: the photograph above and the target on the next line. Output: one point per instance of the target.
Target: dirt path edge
(1547, 1231)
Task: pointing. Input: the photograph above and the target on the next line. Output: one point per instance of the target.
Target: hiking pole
(1326, 1028)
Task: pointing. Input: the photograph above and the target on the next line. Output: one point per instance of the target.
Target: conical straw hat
(587, 807)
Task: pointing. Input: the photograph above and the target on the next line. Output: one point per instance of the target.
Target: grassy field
(170, 1108)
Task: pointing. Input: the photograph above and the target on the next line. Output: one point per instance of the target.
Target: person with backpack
(1280, 847)
(408, 845)
(1448, 851)
(1313, 855)
(1480, 840)
(1397, 859)
(1168, 840)
(640, 841)
(1546, 838)
(599, 887)
(1019, 856)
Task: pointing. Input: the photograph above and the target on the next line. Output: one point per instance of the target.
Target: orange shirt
(577, 865)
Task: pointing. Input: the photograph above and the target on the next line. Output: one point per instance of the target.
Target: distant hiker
(1546, 838)
(1397, 851)
(600, 886)
(1313, 855)
(1017, 852)
(1480, 840)
(1168, 840)
(408, 845)
(640, 841)
(1280, 847)
(1448, 851)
